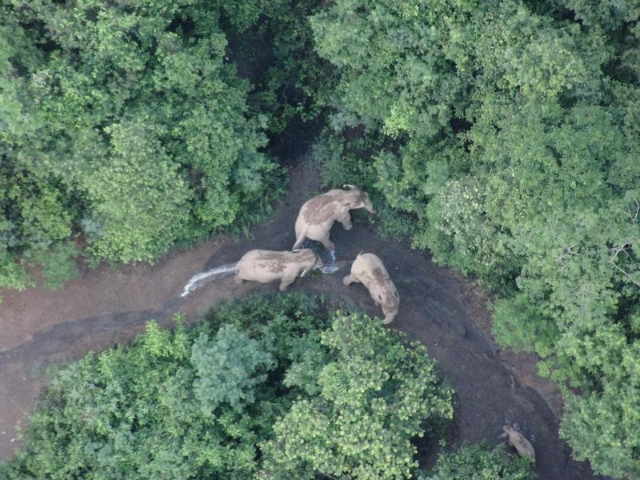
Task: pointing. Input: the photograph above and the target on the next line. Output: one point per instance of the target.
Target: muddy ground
(439, 308)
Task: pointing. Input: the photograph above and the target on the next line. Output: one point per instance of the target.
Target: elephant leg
(237, 280)
(328, 244)
(349, 279)
(346, 221)
(285, 282)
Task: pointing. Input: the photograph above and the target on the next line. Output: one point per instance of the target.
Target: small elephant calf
(519, 442)
(369, 270)
(265, 266)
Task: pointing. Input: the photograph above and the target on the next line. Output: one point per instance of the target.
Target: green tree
(226, 368)
(139, 412)
(601, 423)
(126, 124)
(146, 223)
(508, 131)
(374, 395)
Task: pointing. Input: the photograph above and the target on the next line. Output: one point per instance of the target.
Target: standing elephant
(318, 214)
(368, 269)
(265, 266)
(518, 441)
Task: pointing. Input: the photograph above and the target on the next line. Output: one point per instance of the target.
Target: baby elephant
(318, 214)
(519, 442)
(368, 269)
(264, 266)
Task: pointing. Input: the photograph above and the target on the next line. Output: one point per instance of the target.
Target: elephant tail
(299, 242)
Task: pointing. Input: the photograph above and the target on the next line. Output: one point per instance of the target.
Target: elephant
(368, 269)
(265, 266)
(318, 214)
(518, 441)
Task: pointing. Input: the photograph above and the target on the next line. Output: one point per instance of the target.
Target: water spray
(329, 266)
(198, 280)
(202, 278)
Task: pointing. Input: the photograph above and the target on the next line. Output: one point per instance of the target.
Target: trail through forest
(439, 308)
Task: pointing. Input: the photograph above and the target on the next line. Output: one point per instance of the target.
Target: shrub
(481, 461)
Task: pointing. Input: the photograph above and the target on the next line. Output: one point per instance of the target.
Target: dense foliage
(482, 461)
(508, 133)
(501, 135)
(367, 401)
(125, 123)
(271, 387)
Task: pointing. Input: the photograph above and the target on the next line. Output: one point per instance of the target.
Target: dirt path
(438, 308)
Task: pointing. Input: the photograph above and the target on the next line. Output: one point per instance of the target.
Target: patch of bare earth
(439, 308)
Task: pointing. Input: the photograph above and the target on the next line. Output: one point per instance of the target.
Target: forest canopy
(269, 387)
(507, 132)
(502, 136)
(123, 124)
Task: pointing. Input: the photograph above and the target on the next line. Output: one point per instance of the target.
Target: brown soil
(437, 307)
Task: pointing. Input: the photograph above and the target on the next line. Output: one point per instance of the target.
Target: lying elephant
(318, 214)
(264, 266)
(368, 269)
(519, 442)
